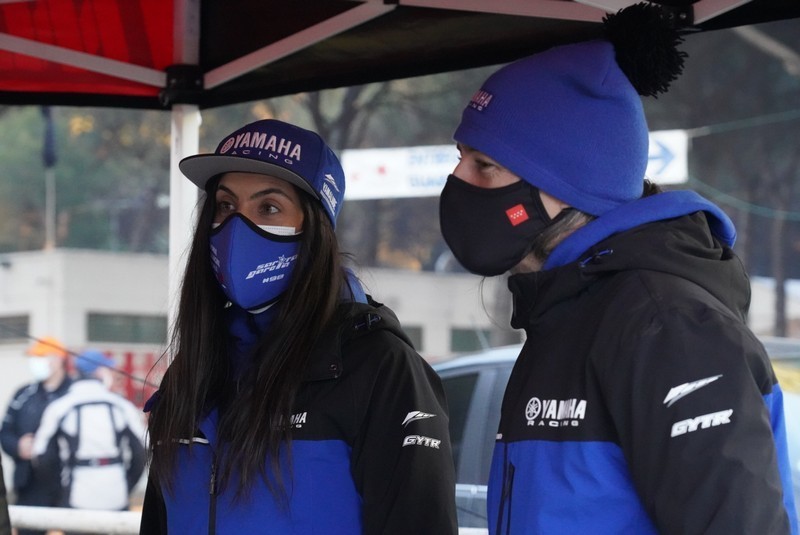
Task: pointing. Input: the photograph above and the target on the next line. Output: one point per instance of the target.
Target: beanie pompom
(645, 45)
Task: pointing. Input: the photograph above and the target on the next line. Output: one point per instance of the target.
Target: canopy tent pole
(185, 126)
(185, 141)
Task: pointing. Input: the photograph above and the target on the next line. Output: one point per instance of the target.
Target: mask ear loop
(538, 205)
(536, 197)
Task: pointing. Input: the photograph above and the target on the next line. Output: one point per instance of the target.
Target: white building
(118, 303)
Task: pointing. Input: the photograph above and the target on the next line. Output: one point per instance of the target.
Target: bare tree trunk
(783, 190)
(779, 274)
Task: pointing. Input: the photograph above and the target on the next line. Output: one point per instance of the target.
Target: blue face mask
(252, 264)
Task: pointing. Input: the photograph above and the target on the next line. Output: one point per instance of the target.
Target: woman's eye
(223, 207)
(268, 209)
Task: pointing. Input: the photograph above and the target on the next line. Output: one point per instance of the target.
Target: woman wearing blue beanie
(294, 402)
(640, 402)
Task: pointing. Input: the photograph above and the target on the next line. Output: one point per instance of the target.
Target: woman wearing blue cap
(294, 403)
(640, 402)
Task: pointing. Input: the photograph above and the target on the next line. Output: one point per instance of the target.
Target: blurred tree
(110, 179)
(741, 108)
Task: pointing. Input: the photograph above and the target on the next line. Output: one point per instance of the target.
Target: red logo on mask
(517, 214)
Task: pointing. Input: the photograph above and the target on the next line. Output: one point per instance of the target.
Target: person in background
(47, 359)
(5, 522)
(294, 402)
(94, 438)
(640, 402)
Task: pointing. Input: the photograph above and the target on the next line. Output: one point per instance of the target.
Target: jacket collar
(357, 319)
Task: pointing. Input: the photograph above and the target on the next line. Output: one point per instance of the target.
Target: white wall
(58, 289)
(438, 302)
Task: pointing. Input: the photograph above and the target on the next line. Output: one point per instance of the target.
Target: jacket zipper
(212, 502)
(505, 495)
(508, 494)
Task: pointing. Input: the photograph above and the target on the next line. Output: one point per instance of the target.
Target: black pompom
(645, 45)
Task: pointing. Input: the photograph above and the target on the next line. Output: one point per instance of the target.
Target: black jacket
(24, 413)
(370, 448)
(641, 402)
(5, 523)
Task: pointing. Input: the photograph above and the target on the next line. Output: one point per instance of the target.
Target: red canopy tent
(156, 53)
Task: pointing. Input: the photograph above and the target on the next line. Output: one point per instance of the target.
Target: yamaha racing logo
(255, 144)
(555, 412)
(480, 100)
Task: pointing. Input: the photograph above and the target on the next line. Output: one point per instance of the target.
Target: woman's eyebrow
(227, 190)
(268, 191)
(256, 195)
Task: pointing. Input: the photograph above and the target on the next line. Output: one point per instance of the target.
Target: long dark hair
(254, 415)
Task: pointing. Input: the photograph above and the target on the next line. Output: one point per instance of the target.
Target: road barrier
(75, 520)
(93, 521)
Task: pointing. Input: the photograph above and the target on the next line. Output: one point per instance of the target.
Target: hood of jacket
(694, 246)
(355, 319)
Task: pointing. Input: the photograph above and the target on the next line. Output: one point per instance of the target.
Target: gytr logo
(418, 440)
(705, 421)
(555, 412)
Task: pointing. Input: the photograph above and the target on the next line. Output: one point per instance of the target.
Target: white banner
(422, 171)
(395, 173)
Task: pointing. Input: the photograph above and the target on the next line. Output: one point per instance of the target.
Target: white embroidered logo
(416, 415)
(685, 389)
(701, 422)
(297, 420)
(332, 181)
(555, 412)
(418, 440)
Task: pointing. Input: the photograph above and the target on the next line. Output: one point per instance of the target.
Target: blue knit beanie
(566, 120)
(570, 120)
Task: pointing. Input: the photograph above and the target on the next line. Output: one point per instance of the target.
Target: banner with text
(422, 171)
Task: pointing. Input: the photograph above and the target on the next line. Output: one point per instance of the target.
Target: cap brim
(46, 347)
(202, 167)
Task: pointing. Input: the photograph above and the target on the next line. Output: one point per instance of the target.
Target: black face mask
(490, 230)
